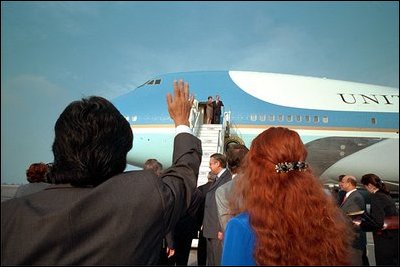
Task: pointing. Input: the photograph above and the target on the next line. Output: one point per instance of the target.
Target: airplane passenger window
(316, 119)
(289, 118)
(325, 119)
(280, 117)
(307, 118)
(262, 117)
(373, 120)
(298, 118)
(271, 117)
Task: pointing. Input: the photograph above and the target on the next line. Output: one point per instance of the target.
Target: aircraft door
(202, 113)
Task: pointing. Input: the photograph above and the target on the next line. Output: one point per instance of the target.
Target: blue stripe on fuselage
(147, 105)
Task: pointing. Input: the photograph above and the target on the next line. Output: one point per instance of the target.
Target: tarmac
(192, 257)
(8, 191)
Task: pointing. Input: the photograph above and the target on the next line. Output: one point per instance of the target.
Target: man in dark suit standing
(211, 226)
(354, 201)
(202, 245)
(186, 229)
(217, 105)
(96, 214)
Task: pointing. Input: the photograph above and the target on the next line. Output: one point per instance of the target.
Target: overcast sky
(56, 52)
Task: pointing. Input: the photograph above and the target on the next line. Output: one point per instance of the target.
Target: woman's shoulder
(242, 215)
(241, 218)
(384, 200)
(382, 196)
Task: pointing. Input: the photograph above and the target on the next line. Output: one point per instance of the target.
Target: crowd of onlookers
(261, 205)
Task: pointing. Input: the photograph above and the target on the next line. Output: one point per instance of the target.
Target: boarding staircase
(212, 137)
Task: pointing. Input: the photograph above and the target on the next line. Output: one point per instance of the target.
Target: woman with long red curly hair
(36, 176)
(285, 218)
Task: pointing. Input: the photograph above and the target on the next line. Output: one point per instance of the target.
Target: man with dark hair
(217, 109)
(89, 149)
(95, 214)
(341, 193)
(211, 226)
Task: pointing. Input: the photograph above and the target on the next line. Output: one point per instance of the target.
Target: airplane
(347, 127)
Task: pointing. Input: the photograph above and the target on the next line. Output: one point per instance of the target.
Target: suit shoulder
(133, 181)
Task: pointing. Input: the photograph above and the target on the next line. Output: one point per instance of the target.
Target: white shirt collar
(348, 193)
(221, 172)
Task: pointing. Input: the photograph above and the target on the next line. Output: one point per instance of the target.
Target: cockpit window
(152, 82)
(142, 84)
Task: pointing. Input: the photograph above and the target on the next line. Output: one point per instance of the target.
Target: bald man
(354, 201)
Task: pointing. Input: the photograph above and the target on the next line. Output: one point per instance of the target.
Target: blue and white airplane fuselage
(347, 127)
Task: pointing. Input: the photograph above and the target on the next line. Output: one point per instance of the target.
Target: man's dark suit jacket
(217, 107)
(211, 224)
(202, 246)
(120, 222)
(355, 202)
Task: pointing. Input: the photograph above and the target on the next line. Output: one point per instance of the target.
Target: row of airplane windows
(289, 118)
(152, 82)
(281, 117)
(297, 118)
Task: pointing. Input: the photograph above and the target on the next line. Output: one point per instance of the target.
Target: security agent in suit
(354, 201)
(217, 106)
(202, 245)
(96, 214)
(211, 225)
(186, 229)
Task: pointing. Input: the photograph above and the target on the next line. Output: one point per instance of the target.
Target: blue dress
(239, 242)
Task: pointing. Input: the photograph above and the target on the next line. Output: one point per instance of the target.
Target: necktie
(344, 199)
(215, 180)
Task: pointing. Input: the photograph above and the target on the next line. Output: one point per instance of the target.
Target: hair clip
(290, 166)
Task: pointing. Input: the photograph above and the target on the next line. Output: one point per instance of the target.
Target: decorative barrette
(290, 166)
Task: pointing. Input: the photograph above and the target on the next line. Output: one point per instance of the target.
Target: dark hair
(91, 141)
(36, 172)
(374, 179)
(235, 156)
(220, 158)
(341, 177)
(154, 165)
